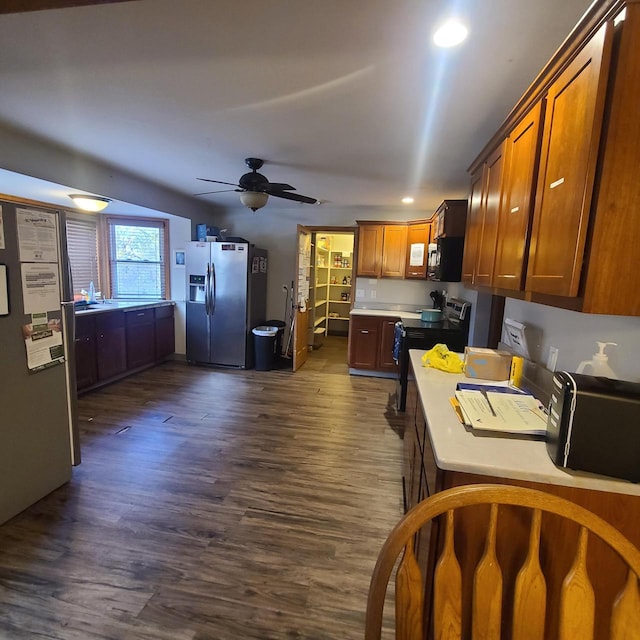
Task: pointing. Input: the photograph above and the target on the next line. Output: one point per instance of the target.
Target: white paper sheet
(43, 343)
(37, 236)
(40, 287)
(416, 256)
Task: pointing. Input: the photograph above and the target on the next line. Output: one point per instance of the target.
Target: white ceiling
(347, 100)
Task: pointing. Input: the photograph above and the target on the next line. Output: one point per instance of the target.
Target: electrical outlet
(552, 360)
(372, 293)
(359, 294)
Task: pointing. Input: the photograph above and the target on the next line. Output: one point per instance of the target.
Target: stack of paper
(501, 409)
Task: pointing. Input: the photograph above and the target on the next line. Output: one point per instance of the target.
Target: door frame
(314, 229)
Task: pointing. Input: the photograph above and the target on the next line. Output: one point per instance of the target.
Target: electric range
(452, 330)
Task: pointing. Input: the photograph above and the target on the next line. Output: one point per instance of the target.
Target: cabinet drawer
(139, 316)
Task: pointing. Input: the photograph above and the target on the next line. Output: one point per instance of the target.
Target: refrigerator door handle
(213, 288)
(207, 306)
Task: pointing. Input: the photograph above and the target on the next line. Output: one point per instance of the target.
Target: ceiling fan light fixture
(88, 202)
(254, 200)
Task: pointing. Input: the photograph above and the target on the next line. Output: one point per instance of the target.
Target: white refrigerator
(39, 440)
(226, 298)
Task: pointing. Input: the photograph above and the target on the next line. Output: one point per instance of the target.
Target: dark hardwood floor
(213, 504)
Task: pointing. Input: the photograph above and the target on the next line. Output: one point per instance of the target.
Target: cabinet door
(572, 127)
(110, 344)
(474, 223)
(418, 237)
(112, 353)
(370, 250)
(85, 352)
(488, 231)
(364, 339)
(516, 213)
(394, 251)
(140, 338)
(385, 356)
(165, 332)
(86, 370)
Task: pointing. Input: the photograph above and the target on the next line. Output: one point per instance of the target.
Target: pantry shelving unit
(330, 290)
(339, 293)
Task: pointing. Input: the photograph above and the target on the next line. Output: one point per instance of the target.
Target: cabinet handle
(363, 331)
(140, 314)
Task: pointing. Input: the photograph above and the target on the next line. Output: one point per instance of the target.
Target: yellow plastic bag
(439, 357)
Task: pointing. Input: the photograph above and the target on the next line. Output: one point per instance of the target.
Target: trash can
(264, 338)
(280, 337)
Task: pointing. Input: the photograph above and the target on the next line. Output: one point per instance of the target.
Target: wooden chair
(468, 602)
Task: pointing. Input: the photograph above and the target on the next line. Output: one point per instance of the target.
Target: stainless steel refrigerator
(38, 431)
(226, 298)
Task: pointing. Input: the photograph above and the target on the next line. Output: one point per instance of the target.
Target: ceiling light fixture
(451, 33)
(407, 200)
(89, 203)
(254, 199)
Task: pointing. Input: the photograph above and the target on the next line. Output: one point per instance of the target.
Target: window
(82, 248)
(137, 258)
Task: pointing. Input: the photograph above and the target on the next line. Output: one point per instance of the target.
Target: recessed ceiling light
(407, 200)
(451, 33)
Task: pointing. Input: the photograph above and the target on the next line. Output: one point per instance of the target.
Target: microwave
(445, 259)
(594, 425)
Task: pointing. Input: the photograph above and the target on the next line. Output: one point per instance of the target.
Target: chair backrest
(467, 600)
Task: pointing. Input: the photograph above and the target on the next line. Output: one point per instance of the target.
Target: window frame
(105, 255)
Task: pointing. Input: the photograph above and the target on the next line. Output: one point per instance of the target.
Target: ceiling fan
(255, 189)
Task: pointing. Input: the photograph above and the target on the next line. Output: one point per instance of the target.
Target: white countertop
(458, 449)
(119, 305)
(386, 313)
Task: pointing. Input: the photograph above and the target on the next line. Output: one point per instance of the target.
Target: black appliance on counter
(594, 425)
(452, 330)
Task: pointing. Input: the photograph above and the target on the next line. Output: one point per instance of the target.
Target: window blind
(82, 248)
(137, 258)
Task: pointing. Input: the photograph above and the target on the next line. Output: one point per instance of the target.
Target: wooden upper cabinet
(370, 250)
(516, 213)
(418, 238)
(474, 222)
(394, 250)
(381, 250)
(611, 283)
(570, 143)
(488, 232)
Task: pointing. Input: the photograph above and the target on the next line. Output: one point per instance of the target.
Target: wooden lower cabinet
(165, 332)
(371, 343)
(423, 477)
(112, 344)
(85, 352)
(141, 338)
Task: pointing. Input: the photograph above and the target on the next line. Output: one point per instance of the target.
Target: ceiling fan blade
(232, 184)
(279, 186)
(206, 193)
(294, 196)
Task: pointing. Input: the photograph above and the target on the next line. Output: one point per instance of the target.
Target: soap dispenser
(599, 363)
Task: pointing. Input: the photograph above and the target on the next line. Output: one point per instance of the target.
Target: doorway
(331, 291)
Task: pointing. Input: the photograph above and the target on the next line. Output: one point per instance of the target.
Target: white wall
(575, 335)
(179, 235)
